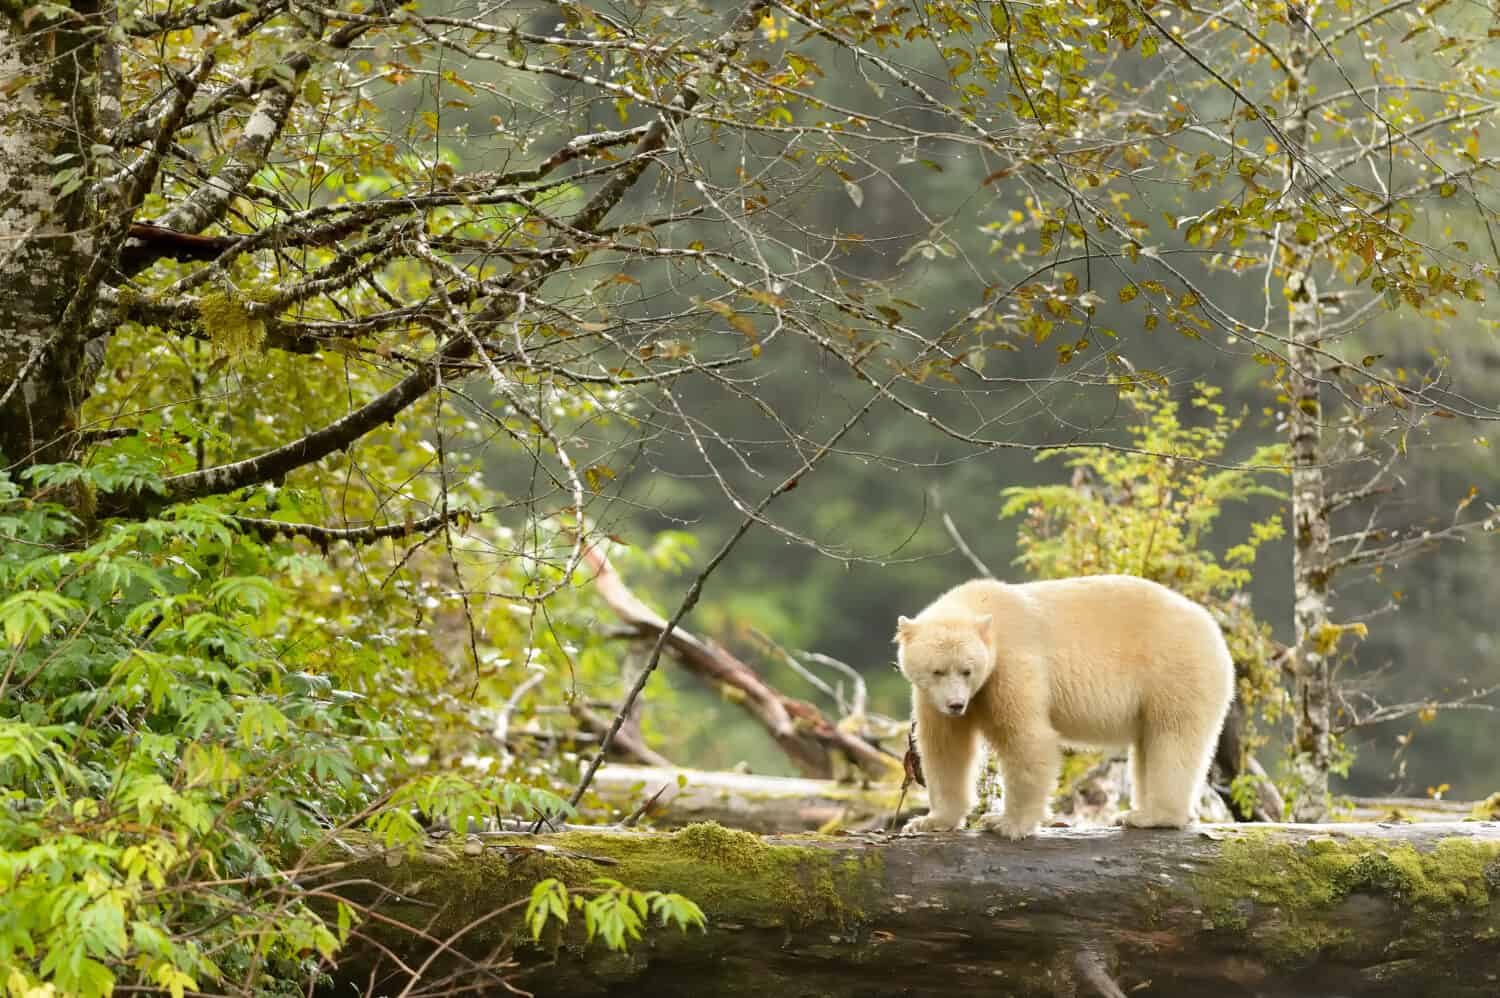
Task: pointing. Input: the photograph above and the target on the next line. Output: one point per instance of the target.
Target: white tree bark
(44, 131)
(1312, 725)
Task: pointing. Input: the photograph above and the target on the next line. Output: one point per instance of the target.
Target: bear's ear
(983, 623)
(903, 628)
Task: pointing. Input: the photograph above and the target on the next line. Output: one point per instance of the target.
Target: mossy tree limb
(1353, 910)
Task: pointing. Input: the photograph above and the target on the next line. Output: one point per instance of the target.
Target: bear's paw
(929, 823)
(1148, 819)
(1008, 826)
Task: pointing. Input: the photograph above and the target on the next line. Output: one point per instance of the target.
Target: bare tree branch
(325, 537)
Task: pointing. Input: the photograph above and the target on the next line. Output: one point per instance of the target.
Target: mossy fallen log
(1273, 911)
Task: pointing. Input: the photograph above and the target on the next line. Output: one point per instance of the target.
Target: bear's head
(946, 658)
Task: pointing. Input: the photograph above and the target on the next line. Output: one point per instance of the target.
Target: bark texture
(1274, 911)
(1312, 694)
(44, 133)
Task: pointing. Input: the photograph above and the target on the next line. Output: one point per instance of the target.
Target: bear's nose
(956, 706)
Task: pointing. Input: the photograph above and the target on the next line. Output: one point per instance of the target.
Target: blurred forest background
(340, 343)
(933, 229)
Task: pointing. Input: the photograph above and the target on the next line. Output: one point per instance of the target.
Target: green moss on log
(1385, 909)
(1284, 892)
(734, 876)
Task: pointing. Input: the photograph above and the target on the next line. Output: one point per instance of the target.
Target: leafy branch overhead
(310, 229)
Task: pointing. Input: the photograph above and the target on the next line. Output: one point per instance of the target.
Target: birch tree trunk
(1311, 735)
(46, 130)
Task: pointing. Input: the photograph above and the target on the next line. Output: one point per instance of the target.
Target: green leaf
(549, 900)
(29, 616)
(249, 593)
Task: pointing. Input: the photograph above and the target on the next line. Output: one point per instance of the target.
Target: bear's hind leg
(1138, 781)
(1172, 771)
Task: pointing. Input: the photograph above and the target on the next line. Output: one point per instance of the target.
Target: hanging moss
(231, 329)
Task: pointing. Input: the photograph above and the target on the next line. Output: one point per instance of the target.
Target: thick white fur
(1099, 661)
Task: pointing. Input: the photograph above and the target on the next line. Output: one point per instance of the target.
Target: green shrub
(1150, 510)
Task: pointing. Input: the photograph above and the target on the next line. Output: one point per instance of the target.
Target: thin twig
(37, 353)
(958, 539)
(646, 805)
(812, 679)
(501, 731)
(629, 742)
(861, 691)
(690, 599)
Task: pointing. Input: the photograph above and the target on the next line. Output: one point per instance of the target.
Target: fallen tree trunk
(1396, 809)
(769, 805)
(1270, 911)
(761, 804)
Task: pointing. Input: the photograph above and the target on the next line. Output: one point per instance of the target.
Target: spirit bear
(1100, 661)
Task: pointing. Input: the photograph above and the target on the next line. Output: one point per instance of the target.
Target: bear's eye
(966, 673)
(941, 673)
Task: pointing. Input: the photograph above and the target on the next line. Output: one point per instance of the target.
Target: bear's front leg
(950, 750)
(1028, 775)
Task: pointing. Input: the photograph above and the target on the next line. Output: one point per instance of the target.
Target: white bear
(1099, 661)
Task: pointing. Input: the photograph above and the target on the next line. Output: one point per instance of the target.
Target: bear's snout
(957, 707)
